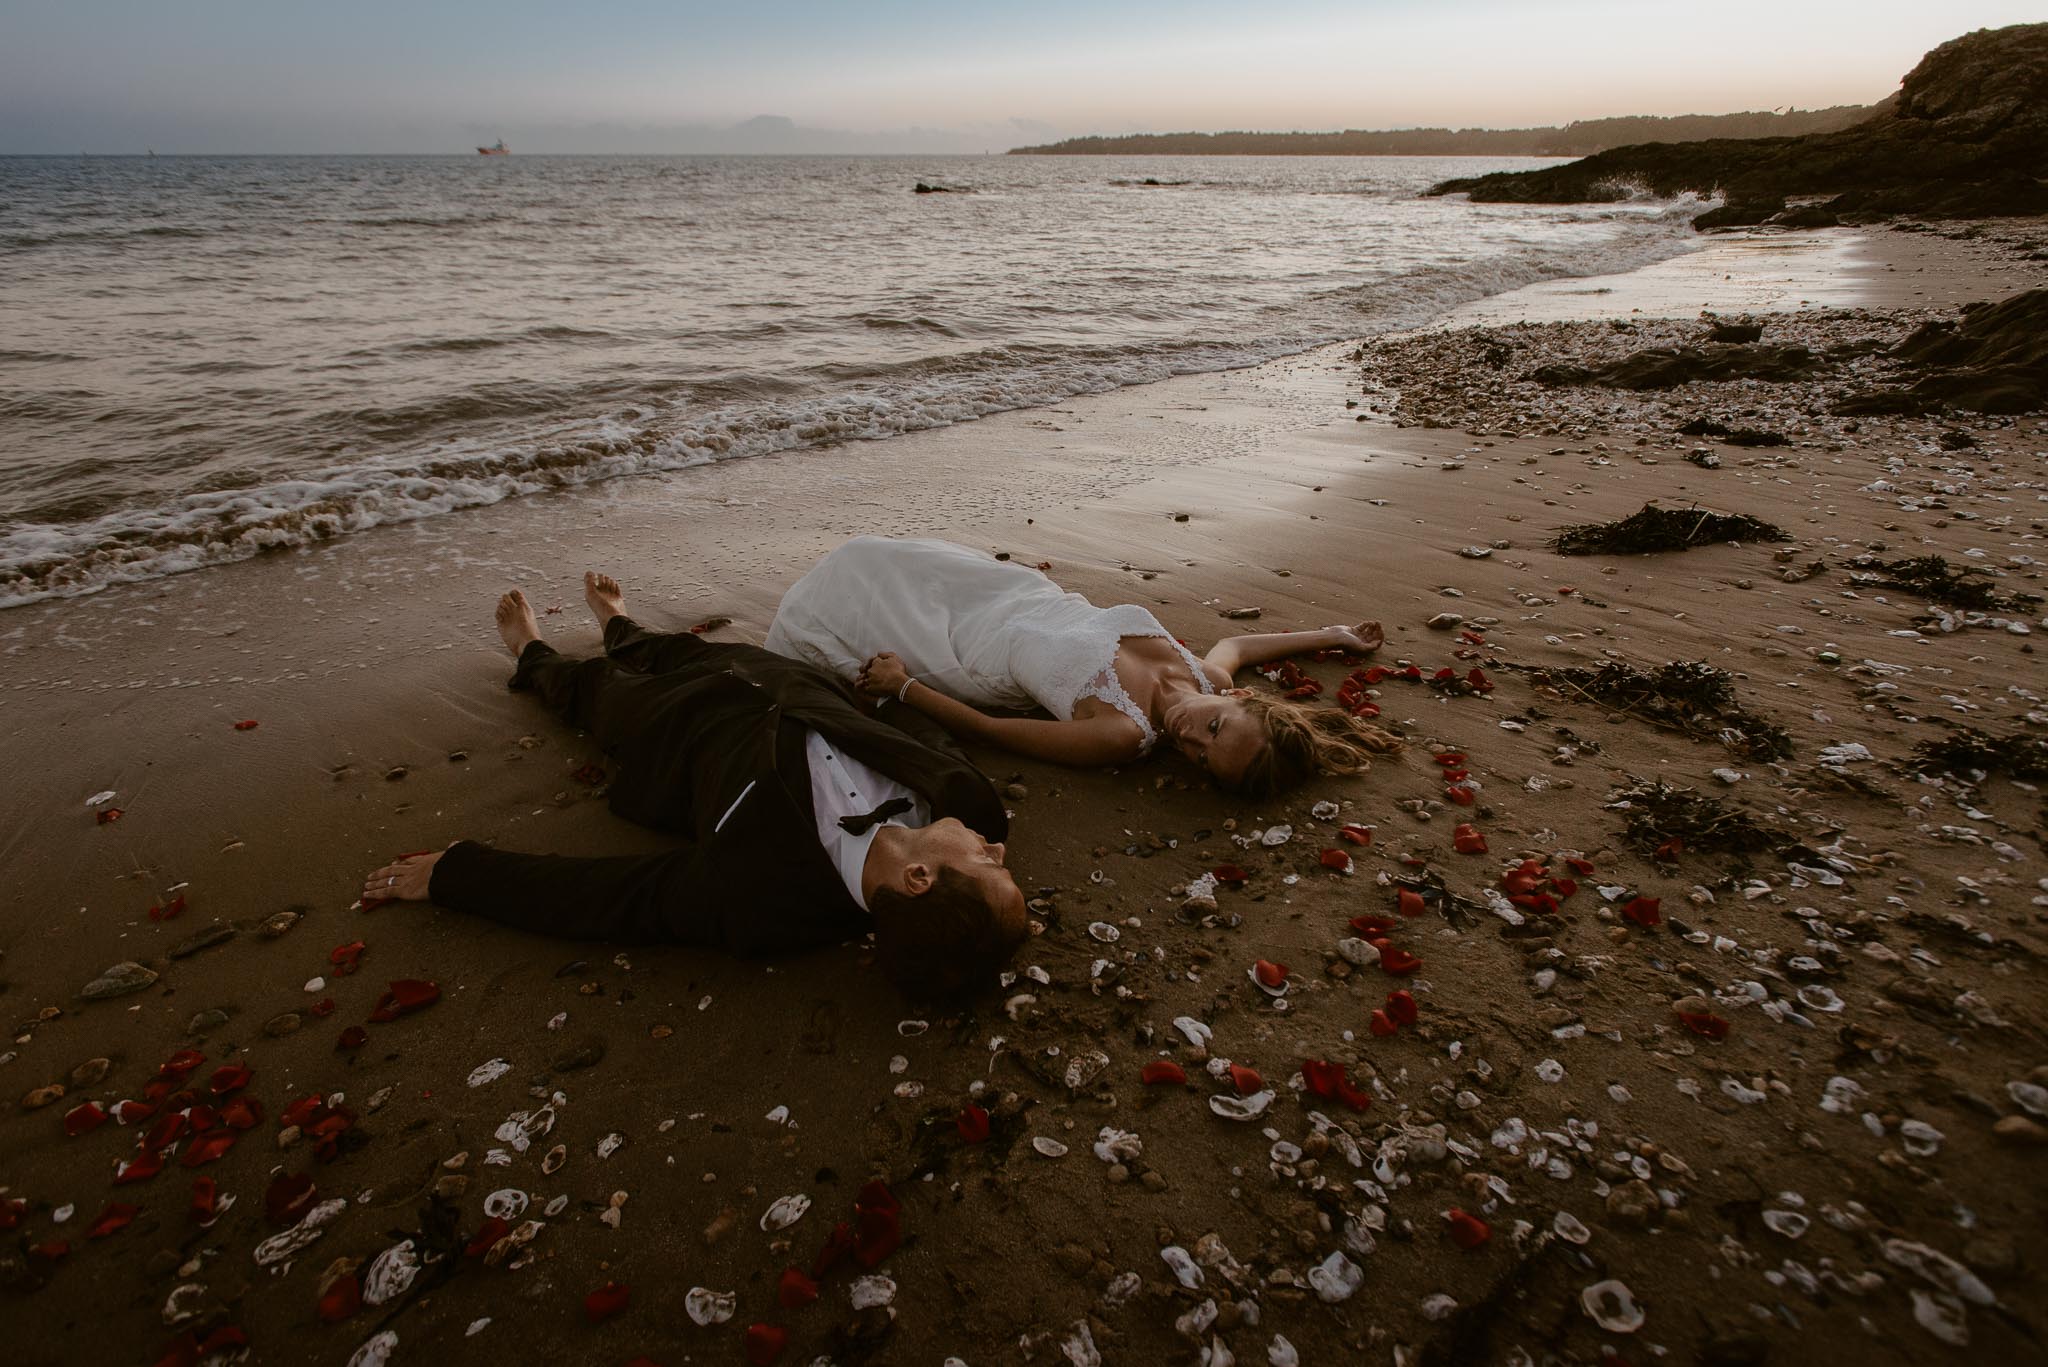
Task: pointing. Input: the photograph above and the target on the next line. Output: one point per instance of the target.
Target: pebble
(92, 1072)
(277, 1027)
(118, 981)
(2017, 1129)
(1444, 621)
(43, 1096)
(277, 923)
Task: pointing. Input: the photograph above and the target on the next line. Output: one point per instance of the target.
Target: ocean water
(205, 358)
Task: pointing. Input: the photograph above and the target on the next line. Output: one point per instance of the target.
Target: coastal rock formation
(1667, 367)
(1967, 135)
(1993, 360)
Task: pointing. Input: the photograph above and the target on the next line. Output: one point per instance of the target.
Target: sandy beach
(1555, 1165)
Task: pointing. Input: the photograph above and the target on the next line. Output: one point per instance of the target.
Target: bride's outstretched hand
(1362, 639)
(883, 676)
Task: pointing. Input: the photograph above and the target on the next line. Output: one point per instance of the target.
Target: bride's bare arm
(1241, 652)
(1097, 740)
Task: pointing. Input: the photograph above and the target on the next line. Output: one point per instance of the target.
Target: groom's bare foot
(516, 624)
(607, 600)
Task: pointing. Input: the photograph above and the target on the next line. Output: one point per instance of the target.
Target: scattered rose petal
(1409, 902)
(228, 1078)
(838, 1244)
(1467, 1231)
(494, 1228)
(1335, 859)
(972, 1122)
(1398, 962)
(1451, 759)
(1643, 911)
(289, 1196)
(1269, 974)
(1382, 1024)
(877, 1224)
(140, 1168)
(209, 1147)
(107, 816)
(1671, 849)
(205, 1200)
(765, 1343)
(242, 1113)
(117, 1216)
(346, 958)
(404, 997)
(180, 1063)
(1162, 1070)
(83, 1119)
(169, 910)
(1370, 927)
(1468, 840)
(1355, 835)
(1327, 1080)
(301, 1112)
(795, 1289)
(248, 725)
(608, 1300)
(352, 1039)
(1461, 795)
(324, 1007)
(1231, 874)
(342, 1298)
(1704, 1023)
(1582, 867)
(1246, 1080)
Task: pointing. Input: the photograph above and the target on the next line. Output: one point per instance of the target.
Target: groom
(806, 818)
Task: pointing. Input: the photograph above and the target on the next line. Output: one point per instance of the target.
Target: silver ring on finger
(392, 881)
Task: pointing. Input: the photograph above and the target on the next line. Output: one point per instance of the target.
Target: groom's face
(955, 845)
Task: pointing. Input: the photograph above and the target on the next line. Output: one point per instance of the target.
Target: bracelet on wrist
(904, 692)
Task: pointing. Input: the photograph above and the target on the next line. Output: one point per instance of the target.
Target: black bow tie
(861, 825)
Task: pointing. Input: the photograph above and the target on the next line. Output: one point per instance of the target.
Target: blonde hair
(1301, 741)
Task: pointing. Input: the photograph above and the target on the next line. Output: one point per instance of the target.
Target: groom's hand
(406, 880)
(883, 676)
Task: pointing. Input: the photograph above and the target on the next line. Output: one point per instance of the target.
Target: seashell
(1242, 1107)
(1353, 950)
(1182, 1265)
(1336, 1279)
(909, 1091)
(1121, 1288)
(1195, 1323)
(1038, 975)
(556, 1207)
(1819, 997)
(1078, 1347)
(1117, 1146)
(780, 1115)
(515, 1249)
(1014, 1007)
(610, 1144)
(1284, 1153)
(898, 1064)
(1104, 931)
(1945, 1317)
(870, 1291)
(376, 1350)
(1281, 1353)
(1841, 1096)
(1609, 1305)
(1789, 1223)
(489, 1072)
(1193, 1031)
(1083, 1069)
(785, 1212)
(1920, 1139)
(1324, 811)
(1438, 1307)
(707, 1307)
(507, 1203)
(912, 1029)
(1938, 1268)
(311, 1226)
(1274, 836)
(2031, 1096)
(476, 1326)
(1048, 1147)
(1569, 1228)
(391, 1273)
(1550, 1070)
(552, 1163)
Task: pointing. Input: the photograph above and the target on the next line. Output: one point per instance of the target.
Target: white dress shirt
(842, 786)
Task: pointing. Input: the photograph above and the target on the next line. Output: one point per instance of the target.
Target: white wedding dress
(991, 633)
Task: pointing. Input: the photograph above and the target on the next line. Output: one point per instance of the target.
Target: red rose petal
(12, 1208)
(972, 1122)
(1327, 1080)
(494, 1228)
(1401, 1006)
(1459, 794)
(1268, 973)
(795, 1289)
(352, 1039)
(51, 1250)
(1643, 911)
(1467, 839)
(1582, 867)
(1467, 1231)
(243, 1113)
(1398, 962)
(1162, 1070)
(346, 958)
(838, 1244)
(1246, 1080)
(165, 1132)
(209, 1147)
(116, 1216)
(1409, 902)
(342, 1298)
(608, 1300)
(1230, 873)
(765, 1343)
(1451, 759)
(1704, 1023)
(83, 1119)
(1382, 1024)
(1565, 886)
(177, 1065)
(1356, 835)
(1671, 849)
(203, 1118)
(169, 910)
(302, 1111)
(133, 1112)
(289, 1196)
(1455, 775)
(404, 997)
(877, 1226)
(140, 1168)
(246, 725)
(205, 1200)
(1369, 926)
(107, 816)
(229, 1078)
(1335, 859)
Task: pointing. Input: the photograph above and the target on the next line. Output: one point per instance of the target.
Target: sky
(228, 76)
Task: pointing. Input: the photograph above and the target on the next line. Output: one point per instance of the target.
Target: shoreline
(370, 664)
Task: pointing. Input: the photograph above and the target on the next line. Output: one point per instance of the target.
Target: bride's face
(1216, 732)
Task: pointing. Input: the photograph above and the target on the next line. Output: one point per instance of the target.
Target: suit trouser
(614, 695)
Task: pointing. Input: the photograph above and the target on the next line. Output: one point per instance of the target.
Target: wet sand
(374, 677)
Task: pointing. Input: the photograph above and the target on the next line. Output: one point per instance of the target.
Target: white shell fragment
(311, 1226)
(507, 1203)
(871, 1291)
(910, 1029)
(1182, 1264)
(1610, 1306)
(489, 1072)
(610, 1144)
(1276, 835)
(1048, 1147)
(1084, 1068)
(1281, 1353)
(1324, 811)
(376, 1350)
(1117, 1146)
(785, 1212)
(1104, 931)
(391, 1273)
(1242, 1107)
(707, 1307)
(1789, 1223)
(1945, 1317)
(1193, 1031)
(1570, 1228)
(1336, 1278)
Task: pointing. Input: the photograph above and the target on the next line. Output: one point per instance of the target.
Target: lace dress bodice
(989, 632)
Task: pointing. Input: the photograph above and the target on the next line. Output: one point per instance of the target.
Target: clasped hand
(883, 676)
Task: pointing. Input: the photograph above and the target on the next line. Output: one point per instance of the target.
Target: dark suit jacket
(719, 760)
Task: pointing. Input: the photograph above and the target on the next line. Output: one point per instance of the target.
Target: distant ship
(496, 149)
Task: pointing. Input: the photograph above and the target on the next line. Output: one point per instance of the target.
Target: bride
(952, 631)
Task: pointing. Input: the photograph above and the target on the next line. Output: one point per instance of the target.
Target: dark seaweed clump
(1938, 581)
(1662, 529)
(1657, 812)
(1966, 749)
(1733, 436)
(1685, 695)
